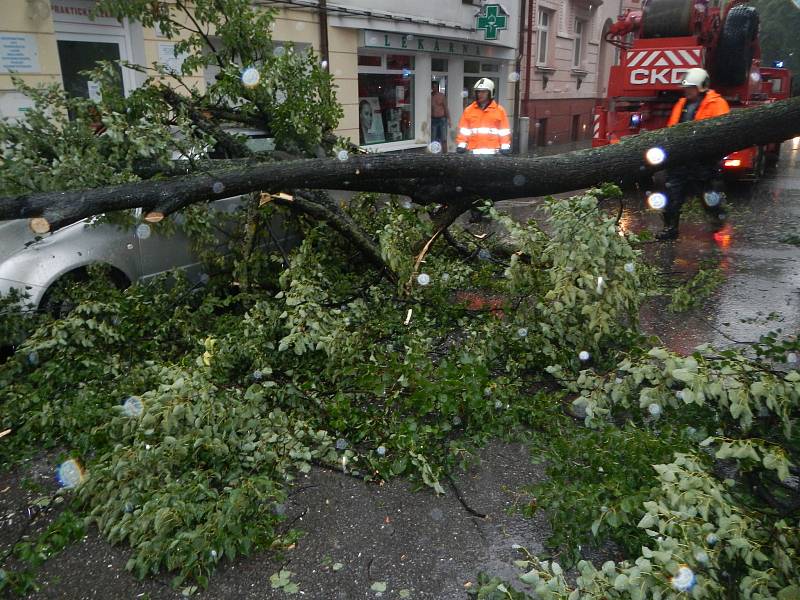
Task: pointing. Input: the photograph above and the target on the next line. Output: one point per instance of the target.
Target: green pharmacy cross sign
(492, 21)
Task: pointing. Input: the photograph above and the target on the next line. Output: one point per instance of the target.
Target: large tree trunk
(444, 179)
(451, 180)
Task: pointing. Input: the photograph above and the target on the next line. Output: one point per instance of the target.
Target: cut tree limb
(319, 205)
(456, 181)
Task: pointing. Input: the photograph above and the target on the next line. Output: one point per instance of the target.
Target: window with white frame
(543, 22)
(385, 98)
(577, 52)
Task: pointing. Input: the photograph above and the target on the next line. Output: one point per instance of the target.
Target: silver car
(33, 264)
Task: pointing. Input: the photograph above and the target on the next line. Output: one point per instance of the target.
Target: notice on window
(166, 57)
(19, 53)
(95, 95)
(369, 116)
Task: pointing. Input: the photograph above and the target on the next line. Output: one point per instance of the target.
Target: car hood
(14, 236)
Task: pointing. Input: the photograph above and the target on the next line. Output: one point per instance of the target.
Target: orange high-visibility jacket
(712, 105)
(484, 130)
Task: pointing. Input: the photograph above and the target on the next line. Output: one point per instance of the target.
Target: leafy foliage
(195, 407)
(70, 142)
(697, 289)
(717, 519)
(66, 142)
(293, 98)
(192, 425)
(68, 527)
(779, 19)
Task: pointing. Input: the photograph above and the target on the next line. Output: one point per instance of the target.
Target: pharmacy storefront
(396, 75)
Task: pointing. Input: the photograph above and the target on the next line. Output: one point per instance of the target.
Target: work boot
(718, 220)
(670, 231)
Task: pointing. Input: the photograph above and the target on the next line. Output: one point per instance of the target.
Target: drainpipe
(529, 53)
(518, 70)
(323, 31)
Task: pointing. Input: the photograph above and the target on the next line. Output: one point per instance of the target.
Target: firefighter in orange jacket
(483, 128)
(699, 102)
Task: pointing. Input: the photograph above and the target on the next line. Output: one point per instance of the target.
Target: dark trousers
(686, 180)
(439, 131)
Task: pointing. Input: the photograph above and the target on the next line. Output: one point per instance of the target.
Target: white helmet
(484, 83)
(698, 78)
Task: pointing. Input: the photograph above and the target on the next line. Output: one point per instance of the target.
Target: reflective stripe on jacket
(484, 130)
(712, 105)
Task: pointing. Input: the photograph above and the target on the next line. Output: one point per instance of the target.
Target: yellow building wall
(19, 16)
(298, 26)
(151, 53)
(343, 53)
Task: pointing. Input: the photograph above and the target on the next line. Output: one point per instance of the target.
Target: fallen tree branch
(319, 205)
(446, 179)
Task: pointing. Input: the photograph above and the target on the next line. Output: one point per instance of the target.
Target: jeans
(439, 131)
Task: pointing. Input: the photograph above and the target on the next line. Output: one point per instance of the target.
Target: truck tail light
(733, 162)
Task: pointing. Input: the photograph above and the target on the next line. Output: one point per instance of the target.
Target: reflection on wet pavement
(761, 291)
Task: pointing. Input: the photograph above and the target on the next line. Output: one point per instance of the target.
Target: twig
(423, 252)
(463, 502)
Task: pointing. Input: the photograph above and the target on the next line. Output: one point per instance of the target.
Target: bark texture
(444, 179)
(453, 181)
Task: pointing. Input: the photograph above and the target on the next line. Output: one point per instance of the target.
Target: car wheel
(72, 288)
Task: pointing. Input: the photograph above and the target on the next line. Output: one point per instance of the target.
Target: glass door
(76, 56)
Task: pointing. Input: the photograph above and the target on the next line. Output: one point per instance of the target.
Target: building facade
(566, 62)
(384, 56)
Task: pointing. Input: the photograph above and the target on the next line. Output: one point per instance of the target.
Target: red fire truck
(660, 43)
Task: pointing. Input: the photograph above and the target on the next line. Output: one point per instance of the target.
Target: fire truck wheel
(734, 54)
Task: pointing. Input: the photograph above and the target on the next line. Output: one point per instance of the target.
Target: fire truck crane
(660, 43)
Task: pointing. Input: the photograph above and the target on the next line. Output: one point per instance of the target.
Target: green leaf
(621, 582)
(378, 586)
(291, 588)
(531, 577)
(791, 592)
(646, 522)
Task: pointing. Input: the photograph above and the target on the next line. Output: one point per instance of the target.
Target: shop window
(439, 65)
(366, 60)
(472, 66)
(490, 68)
(399, 62)
(385, 107)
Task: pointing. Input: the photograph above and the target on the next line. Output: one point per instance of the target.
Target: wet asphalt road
(761, 288)
(433, 547)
